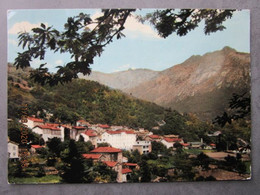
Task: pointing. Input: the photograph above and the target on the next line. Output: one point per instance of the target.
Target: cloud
(135, 29)
(59, 62)
(23, 26)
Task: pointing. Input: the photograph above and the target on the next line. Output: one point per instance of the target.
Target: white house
(144, 147)
(48, 131)
(88, 135)
(13, 150)
(126, 172)
(32, 122)
(119, 139)
(169, 142)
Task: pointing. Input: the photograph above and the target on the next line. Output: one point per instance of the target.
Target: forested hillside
(96, 103)
(79, 99)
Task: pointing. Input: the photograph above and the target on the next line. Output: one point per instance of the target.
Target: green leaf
(43, 25)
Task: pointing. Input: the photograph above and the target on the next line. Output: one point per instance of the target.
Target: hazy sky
(141, 48)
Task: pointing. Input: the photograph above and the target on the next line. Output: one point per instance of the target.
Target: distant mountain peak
(201, 84)
(122, 79)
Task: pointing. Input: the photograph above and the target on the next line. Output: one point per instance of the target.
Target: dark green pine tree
(73, 168)
(145, 172)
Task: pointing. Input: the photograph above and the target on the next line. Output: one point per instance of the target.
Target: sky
(141, 48)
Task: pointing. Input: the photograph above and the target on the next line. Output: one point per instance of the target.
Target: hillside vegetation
(96, 103)
(79, 99)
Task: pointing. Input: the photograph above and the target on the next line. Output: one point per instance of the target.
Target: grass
(197, 151)
(162, 162)
(35, 180)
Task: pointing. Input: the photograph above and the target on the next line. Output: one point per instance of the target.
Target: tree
(135, 157)
(183, 167)
(203, 161)
(41, 172)
(73, 169)
(15, 170)
(54, 146)
(145, 171)
(239, 108)
(170, 21)
(84, 43)
(103, 173)
(41, 141)
(14, 133)
(159, 149)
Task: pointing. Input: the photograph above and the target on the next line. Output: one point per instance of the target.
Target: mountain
(123, 79)
(201, 84)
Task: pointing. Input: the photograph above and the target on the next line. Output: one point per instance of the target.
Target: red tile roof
(212, 144)
(52, 124)
(154, 136)
(126, 170)
(113, 132)
(35, 119)
(185, 144)
(105, 150)
(66, 126)
(90, 133)
(79, 127)
(110, 163)
(48, 127)
(129, 132)
(104, 126)
(130, 164)
(37, 146)
(92, 156)
(172, 139)
(120, 131)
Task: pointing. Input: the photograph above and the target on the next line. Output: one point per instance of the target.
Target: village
(110, 142)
